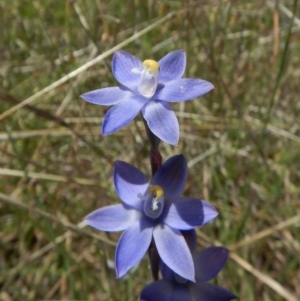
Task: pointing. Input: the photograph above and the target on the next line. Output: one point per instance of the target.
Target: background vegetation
(241, 140)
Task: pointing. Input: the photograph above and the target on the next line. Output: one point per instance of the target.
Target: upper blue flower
(208, 263)
(154, 209)
(148, 87)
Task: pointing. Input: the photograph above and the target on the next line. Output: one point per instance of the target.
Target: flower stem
(155, 160)
(154, 260)
(155, 156)
(156, 163)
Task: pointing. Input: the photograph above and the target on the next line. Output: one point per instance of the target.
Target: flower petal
(181, 292)
(183, 89)
(107, 96)
(162, 121)
(130, 182)
(123, 64)
(132, 246)
(188, 213)
(157, 291)
(112, 218)
(172, 65)
(209, 262)
(210, 292)
(172, 177)
(190, 237)
(122, 113)
(174, 251)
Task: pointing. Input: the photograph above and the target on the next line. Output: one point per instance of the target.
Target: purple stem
(156, 163)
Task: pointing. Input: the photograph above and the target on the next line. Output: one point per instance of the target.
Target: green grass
(55, 167)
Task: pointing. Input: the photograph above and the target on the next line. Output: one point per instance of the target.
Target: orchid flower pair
(155, 212)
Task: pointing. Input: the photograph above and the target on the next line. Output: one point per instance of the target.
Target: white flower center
(149, 78)
(154, 203)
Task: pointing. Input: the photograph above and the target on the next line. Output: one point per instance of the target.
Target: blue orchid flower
(147, 87)
(154, 210)
(172, 287)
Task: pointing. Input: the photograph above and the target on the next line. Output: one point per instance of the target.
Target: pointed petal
(130, 183)
(210, 292)
(209, 262)
(123, 64)
(112, 218)
(183, 89)
(181, 293)
(157, 291)
(107, 96)
(188, 213)
(162, 121)
(133, 245)
(121, 114)
(174, 251)
(172, 177)
(172, 65)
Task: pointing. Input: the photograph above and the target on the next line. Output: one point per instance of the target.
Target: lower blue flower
(172, 287)
(153, 210)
